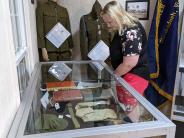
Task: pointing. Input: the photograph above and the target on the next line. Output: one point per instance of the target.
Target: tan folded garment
(88, 114)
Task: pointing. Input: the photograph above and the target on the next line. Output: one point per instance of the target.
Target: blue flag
(162, 51)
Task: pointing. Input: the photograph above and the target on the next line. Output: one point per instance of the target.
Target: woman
(128, 54)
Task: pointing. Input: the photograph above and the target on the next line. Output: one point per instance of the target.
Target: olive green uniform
(47, 16)
(92, 30)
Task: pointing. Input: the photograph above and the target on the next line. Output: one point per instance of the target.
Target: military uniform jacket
(47, 16)
(92, 30)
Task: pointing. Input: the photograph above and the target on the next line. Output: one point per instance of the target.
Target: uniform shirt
(92, 31)
(47, 16)
(131, 42)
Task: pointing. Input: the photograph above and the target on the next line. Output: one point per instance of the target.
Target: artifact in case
(96, 112)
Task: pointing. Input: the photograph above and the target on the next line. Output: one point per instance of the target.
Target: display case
(83, 104)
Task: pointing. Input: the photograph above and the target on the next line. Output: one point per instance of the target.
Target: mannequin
(44, 50)
(47, 16)
(92, 31)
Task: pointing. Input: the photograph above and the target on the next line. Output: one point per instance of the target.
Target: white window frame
(20, 41)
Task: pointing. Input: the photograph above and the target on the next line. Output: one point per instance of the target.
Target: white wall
(181, 8)
(78, 8)
(9, 94)
(30, 19)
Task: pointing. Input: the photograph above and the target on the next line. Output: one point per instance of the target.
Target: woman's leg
(134, 115)
(132, 107)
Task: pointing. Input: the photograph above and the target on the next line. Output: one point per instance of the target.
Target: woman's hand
(45, 54)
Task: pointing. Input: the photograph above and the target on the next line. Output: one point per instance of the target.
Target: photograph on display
(139, 8)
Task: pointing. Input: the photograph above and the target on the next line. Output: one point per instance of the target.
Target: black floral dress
(131, 41)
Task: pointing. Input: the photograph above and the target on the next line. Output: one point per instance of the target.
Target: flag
(162, 51)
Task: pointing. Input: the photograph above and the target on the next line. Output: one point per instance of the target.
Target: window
(23, 76)
(20, 43)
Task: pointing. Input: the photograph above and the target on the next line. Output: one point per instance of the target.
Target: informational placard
(57, 35)
(45, 100)
(99, 52)
(60, 70)
(57, 106)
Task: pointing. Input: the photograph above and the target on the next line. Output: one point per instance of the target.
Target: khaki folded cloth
(86, 112)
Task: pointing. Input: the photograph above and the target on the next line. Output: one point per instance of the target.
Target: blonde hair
(123, 18)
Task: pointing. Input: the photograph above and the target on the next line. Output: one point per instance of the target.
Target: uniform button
(99, 32)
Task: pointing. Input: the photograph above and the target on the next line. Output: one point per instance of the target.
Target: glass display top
(84, 97)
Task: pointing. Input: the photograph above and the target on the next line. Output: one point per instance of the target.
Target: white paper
(60, 70)
(99, 52)
(57, 106)
(60, 116)
(69, 116)
(89, 85)
(45, 100)
(98, 65)
(57, 35)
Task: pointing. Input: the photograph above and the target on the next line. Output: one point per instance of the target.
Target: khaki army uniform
(47, 16)
(92, 30)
